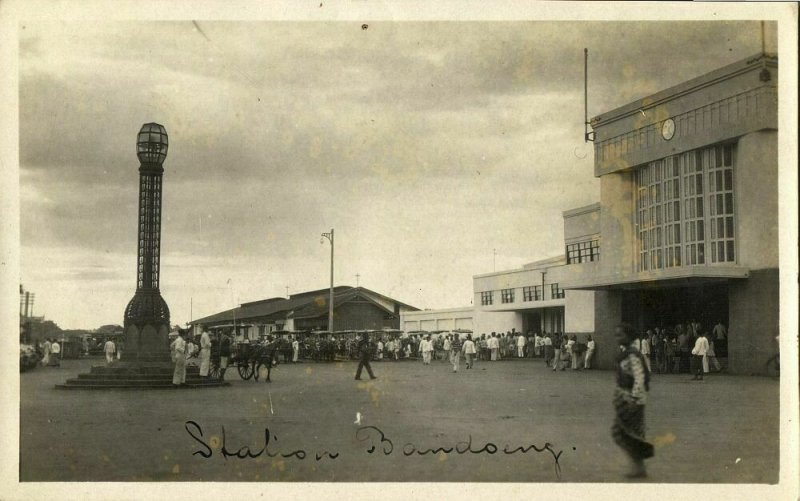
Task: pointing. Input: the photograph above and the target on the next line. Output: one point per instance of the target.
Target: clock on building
(668, 129)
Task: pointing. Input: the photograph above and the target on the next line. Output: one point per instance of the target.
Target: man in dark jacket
(365, 351)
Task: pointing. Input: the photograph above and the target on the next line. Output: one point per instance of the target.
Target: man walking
(455, 352)
(426, 347)
(469, 351)
(365, 352)
(295, 350)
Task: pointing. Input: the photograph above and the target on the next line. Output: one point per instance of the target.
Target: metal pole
(330, 305)
(585, 95)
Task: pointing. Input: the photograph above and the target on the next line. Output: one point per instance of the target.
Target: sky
(427, 146)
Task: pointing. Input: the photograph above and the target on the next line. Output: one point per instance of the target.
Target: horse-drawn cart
(250, 359)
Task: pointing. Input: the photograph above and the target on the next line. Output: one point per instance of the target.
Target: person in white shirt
(295, 350)
(178, 350)
(699, 353)
(521, 341)
(446, 347)
(537, 345)
(189, 349)
(494, 346)
(573, 355)
(720, 331)
(205, 353)
(587, 362)
(46, 352)
(711, 357)
(547, 344)
(380, 349)
(469, 351)
(109, 349)
(55, 354)
(637, 343)
(426, 347)
(644, 348)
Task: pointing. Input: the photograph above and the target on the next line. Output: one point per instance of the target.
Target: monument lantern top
(152, 144)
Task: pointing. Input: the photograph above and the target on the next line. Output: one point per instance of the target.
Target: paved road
(722, 430)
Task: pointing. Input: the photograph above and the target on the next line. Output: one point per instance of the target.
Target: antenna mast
(587, 135)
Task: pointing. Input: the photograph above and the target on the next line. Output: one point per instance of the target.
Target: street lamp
(329, 236)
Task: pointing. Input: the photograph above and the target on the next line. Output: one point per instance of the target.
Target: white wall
(579, 311)
(485, 322)
(433, 320)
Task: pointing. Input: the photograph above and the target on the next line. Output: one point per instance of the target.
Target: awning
(668, 278)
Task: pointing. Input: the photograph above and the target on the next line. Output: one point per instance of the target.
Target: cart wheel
(214, 372)
(245, 370)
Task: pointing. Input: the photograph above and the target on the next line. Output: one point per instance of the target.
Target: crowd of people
(685, 348)
(557, 350)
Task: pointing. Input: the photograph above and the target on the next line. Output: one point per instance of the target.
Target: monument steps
(131, 375)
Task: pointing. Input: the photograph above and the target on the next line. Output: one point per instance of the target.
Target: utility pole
(358, 276)
(329, 236)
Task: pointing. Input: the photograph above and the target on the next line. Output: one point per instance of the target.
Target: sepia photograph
(444, 249)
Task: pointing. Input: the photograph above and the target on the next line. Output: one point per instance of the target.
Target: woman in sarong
(630, 398)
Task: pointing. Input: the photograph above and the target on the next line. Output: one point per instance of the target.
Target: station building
(686, 228)
(689, 210)
(354, 308)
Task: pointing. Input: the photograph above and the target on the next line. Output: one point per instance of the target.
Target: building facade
(533, 298)
(689, 211)
(686, 229)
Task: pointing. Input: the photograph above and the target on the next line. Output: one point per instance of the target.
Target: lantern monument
(146, 362)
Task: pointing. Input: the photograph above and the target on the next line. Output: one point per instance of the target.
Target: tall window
(556, 292)
(486, 298)
(720, 204)
(533, 293)
(694, 213)
(583, 252)
(684, 209)
(507, 295)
